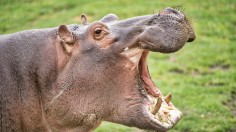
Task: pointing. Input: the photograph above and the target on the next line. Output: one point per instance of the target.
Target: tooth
(168, 98)
(170, 107)
(136, 58)
(161, 116)
(165, 111)
(127, 48)
(157, 106)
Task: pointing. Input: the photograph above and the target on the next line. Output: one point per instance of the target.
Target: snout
(178, 14)
(192, 38)
(167, 32)
(169, 10)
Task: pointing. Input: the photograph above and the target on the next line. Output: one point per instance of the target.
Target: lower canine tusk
(168, 98)
(157, 106)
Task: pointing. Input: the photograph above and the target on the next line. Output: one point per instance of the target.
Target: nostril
(171, 10)
(191, 39)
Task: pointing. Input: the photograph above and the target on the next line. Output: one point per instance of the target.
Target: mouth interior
(145, 76)
(159, 108)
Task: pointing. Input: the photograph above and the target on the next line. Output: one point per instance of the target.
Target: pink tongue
(151, 88)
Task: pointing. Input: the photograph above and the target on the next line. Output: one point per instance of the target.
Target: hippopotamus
(73, 77)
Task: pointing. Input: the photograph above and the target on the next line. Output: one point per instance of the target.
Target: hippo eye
(97, 31)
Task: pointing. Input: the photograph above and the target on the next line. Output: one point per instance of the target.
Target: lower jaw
(163, 118)
(159, 108)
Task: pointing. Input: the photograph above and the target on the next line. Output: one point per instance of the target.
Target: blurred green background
(201, 76)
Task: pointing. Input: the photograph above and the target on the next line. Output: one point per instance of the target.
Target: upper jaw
(166, 32)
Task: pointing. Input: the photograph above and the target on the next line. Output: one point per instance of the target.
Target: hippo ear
(67, 37)
(84, 19)
(109, 18)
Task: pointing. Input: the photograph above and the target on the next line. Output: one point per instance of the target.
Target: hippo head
(105, 75)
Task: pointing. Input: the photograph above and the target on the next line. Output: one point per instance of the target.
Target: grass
(201, 76)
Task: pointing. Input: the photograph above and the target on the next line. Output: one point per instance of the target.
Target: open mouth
(158, 109)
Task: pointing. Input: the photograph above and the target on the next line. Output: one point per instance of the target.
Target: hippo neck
(28, 70)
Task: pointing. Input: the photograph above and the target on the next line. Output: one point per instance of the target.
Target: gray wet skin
(165, 32)
(73, 77)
